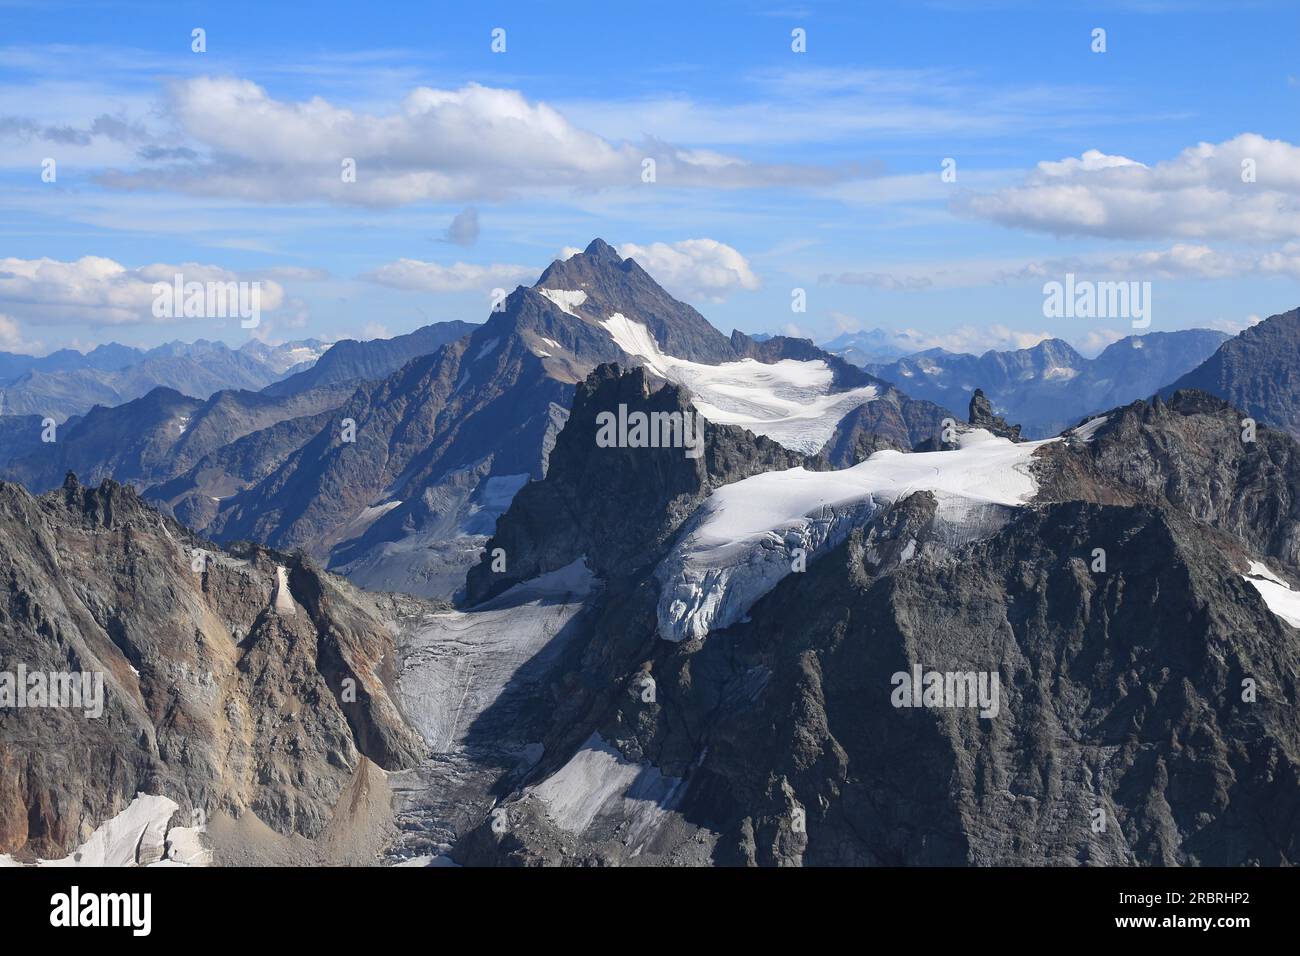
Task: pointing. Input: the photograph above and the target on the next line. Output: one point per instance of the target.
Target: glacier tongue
(743, 540)
(707, 584)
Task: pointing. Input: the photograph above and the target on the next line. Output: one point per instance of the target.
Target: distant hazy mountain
(1051, 386)
(158, 436)
(68, 383)
(351, 361)
(871, 347)
(1257, 371)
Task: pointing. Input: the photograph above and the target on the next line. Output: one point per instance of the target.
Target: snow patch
(138, 834)
(284, 605)
(739, 544)
(566, 299)
(1280, 597)
(1088, 429)
(789, 401)
(1059, 374)
(598, 781)
(488, 348)
(490, 502)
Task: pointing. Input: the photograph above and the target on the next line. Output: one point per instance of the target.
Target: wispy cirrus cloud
(414, 275)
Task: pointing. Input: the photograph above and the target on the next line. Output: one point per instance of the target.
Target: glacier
(743, 540)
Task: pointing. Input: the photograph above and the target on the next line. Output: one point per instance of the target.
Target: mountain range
(1050, 386)
(822, 622)
(442, 444)
(67, 383)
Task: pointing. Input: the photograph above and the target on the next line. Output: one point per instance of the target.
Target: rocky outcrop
(235, 682)
(616, 506)
(981, 416)
(1190, 453)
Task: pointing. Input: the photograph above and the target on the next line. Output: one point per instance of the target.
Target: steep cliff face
(238, 684)
(1193, 454)
(1132, 687)
(1257, 371)
(616, 506)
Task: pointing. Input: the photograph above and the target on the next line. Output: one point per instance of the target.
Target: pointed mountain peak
(598, 283)
(600, 249)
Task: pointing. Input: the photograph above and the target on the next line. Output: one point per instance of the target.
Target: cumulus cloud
(12, 339)
(415, 276)
(100, 291)
(472, 143)
(694, 269)
(1245, 188)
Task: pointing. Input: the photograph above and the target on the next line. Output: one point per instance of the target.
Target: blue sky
(775, 170)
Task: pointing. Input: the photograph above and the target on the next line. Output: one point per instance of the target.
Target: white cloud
(1235, 326)
(694, 269)
(1199, 194)
(1179, 261)
(416, 276)
(1094, 340)
(100, 291)
(977, 339)
(12, 340)
(476, 142)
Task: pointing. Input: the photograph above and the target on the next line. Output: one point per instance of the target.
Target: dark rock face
(1189, 454)
(230, 689)
(617, 506)
(1125, 733)
(981, 416)
(1257, 372)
